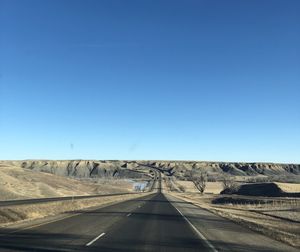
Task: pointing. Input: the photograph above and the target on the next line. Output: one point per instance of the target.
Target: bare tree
(199, 179)
(228, 183)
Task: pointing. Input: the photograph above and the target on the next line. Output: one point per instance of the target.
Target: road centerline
(92, 241)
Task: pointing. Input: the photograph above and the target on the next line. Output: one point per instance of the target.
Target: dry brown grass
(289, 187)
(279, 221)
(17, 214)
(19, 183)
(211, 187)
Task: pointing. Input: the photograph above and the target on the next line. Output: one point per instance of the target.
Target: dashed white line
(91, 242)
(128, 214)
(198, 232)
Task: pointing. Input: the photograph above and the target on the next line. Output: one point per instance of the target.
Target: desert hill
(21, 183)
(139, 169)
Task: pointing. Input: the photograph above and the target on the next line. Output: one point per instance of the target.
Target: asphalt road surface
(4, 203)
(156, 222)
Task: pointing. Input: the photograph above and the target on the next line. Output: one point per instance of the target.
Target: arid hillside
(234, 168)
(82, 168)
(21, 183)
(140, 169)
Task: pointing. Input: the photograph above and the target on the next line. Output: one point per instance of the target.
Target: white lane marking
(92, 241)
(56, 220)
(128, 214)
(198, 232)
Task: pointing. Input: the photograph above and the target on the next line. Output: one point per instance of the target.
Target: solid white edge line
(198, 232)
(91, 242)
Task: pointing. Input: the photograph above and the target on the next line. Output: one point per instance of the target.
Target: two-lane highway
(151, 223)
(156, 226)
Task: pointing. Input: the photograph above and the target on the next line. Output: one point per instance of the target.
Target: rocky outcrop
(82, 168)
(139, 169)
(234, 168)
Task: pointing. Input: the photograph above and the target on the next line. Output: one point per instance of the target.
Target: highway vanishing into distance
(155, 222)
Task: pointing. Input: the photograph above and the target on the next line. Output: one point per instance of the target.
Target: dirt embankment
(266, 189)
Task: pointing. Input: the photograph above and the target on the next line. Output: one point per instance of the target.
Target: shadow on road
(42, 242)
(155, 226)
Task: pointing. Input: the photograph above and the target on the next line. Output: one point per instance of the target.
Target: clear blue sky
(146, 79)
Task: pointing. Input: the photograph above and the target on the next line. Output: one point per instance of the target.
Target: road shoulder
(224, 234)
